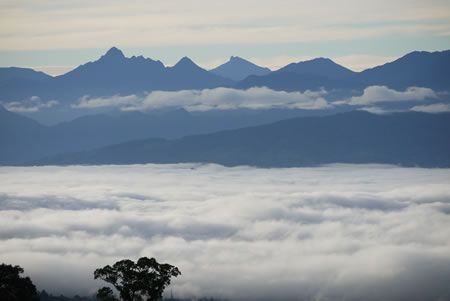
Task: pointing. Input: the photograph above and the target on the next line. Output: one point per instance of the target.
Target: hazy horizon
(55, 36)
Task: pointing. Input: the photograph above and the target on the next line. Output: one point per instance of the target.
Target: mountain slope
(12, 73)
(421, 69)
(237, 69)
(19, 136)
(408, 139)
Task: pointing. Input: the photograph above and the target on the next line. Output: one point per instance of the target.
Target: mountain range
(407, 139)
(115, 74)
(23, 139)
(112, 74)
(261, 137)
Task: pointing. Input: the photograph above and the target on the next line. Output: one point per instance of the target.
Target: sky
(58, 35)
(336, 232)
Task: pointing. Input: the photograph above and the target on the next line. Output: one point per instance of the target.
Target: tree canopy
(144, 280)
(13, 287)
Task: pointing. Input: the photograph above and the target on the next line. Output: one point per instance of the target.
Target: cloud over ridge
(257, 98)
(212, 99)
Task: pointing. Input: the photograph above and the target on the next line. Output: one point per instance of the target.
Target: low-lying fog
(336, 232)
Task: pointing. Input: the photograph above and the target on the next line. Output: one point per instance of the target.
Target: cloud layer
(329, 233)
(212, 99)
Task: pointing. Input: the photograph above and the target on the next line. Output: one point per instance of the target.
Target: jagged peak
(236, 58)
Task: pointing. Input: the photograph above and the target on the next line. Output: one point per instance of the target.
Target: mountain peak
(319, 66)
(185, 61)
(114, 53)
(238, 68)
(185, 64)
(321, 59)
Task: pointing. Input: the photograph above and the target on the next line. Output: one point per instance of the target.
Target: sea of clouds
(337, 232)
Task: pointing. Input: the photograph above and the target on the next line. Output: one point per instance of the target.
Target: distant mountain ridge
(238, 69)
(23, 139)
(115, 74)
(415, 69)
(408, 139)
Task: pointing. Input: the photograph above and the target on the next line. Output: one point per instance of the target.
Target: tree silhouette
(16, 288)
(144, 280)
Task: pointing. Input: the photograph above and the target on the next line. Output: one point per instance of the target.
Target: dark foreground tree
(144, 280)
(13, 287)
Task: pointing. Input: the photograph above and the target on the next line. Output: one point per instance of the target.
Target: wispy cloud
(432, 108)
(115, 101)
(33, 104)
(213, 99)
(375, 110)
(56, 24)
(334, 232)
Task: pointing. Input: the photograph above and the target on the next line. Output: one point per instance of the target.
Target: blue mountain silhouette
(24, 139)
(187, 75)
(238, 69)
(409, 139)
(422, 69)
(115, 74)
(320, 67)
(14, 73)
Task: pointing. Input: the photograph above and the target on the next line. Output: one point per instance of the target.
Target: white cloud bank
(378, 94)
(353, 232)
(33, 104)
(260, 98)
(212, 99)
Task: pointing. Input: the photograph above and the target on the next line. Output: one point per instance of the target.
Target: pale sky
(56, 35)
